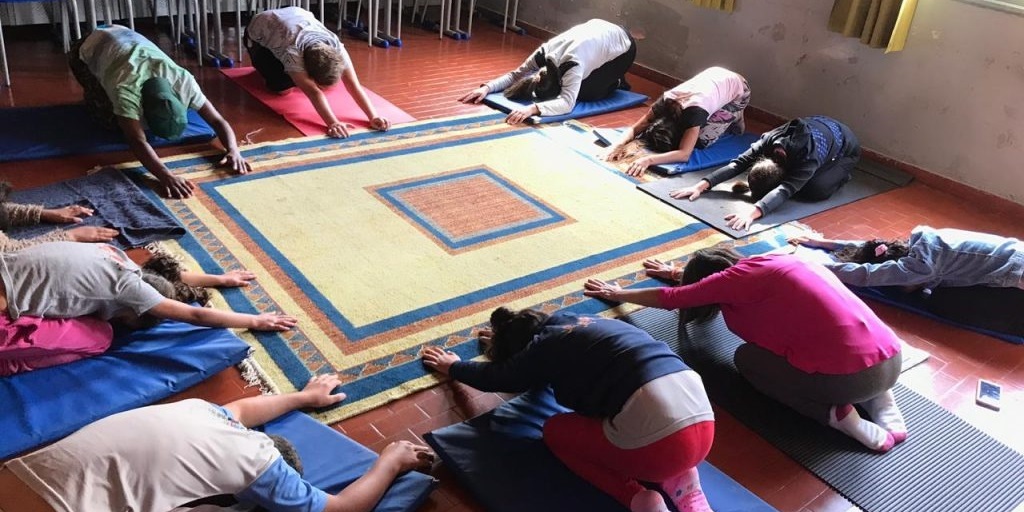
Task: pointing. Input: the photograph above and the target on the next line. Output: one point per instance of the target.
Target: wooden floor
(424, 77)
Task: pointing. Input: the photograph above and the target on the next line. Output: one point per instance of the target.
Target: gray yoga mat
(868, 179)
(945, 464)
(116, 201)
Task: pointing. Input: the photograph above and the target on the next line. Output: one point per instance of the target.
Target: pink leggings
(30, 343)
(580, 443)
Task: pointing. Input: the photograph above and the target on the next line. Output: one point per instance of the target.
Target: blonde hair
(323, 64)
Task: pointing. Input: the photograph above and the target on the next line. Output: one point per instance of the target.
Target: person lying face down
(692, 115)
(193, 454)
(128, 82)
(808, 158)
(811, 344)
(639, 413)
(929, 258)
(290, 48)
(585, 63)
(59, 297)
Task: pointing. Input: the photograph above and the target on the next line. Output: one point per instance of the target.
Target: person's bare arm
(230, 279)
(170, 309)
(363, 494)
(173, 186)
(355, 88)
(617, 150)
(317, 97)
(817, 242)
(686, 144)
(232, 156)
(257, 410)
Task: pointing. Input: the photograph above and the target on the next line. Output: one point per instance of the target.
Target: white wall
(952, 102)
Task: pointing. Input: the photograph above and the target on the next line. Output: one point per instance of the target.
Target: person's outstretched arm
(257, 410)
(604, 290)
(617, 149)
(363, 494)
(820, 242)
(317, 97)
(230, 279)
(232, 156)
(170, 309)
(682, 154)
(173, 186)
(355, 88)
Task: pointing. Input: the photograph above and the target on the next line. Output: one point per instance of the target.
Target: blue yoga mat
(141, 368)
(502, 460)
(332, 461)
(31, 133)
(619, 100)
(116, 202)
(718, 154)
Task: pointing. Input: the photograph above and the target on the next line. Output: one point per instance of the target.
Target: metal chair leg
(3, 58)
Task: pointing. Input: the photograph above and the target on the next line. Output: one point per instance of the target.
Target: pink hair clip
(880, 249)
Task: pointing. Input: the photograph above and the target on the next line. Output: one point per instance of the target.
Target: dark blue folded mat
(332, 461)
(619, 100)
(500, 457)
(945, 464)
(116, 201)
(141, 367)
(718, 154)
(30, 133)
(1008, 302)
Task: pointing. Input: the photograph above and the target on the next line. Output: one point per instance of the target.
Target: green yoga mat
(945, 464)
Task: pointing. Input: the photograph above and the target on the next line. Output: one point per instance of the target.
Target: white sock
(845, 419)
(647, 501)
(883, 411)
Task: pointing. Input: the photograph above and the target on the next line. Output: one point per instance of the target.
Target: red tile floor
(424, 77)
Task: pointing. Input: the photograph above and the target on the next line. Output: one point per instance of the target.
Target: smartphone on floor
(988, 394)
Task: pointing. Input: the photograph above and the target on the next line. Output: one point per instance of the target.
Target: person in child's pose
(639, 413)
(58, 299)
(808, 158)
(693, 114)
(191, 454)
(810, 342)
(290, 48)
(128, 81)
(588, 62)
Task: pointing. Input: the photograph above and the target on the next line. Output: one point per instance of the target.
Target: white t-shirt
(710, 89)
(152, 459)
(72, 279)
(659, 409)
(287, 32)
(590, 45)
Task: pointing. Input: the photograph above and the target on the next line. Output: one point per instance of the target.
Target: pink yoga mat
(298, 111)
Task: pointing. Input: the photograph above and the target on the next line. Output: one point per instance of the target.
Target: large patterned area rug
(383, 243)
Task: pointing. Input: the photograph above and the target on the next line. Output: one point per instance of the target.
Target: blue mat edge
(619, 100)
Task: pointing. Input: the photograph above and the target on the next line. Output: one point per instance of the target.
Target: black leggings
(603, 81)
(267, 65)
(993, 309)
(829, 177)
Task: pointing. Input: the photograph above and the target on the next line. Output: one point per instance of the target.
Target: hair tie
(880, 249)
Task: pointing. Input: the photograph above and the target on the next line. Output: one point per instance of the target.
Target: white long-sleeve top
(589, 45)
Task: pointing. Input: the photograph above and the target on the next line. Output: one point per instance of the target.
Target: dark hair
(323, 64)
(160, 284)
(166, 266)
(664, 131)
(765, 174)
(545, 85)
(5, 220)
(867, 251)
(704, 263)
(290, 456)
(513, 331)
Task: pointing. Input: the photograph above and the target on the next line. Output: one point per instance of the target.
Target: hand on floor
(692, 192)
(338, 130)
(639, 166)
(176, 187)
(406, 456)
(319, 391)
(92, 234)
(380, 124)
(741, 221)
(440, 360)
(235, 278)
(661, 270)
(236, 162)
(476, 95)
(66, 215)
(273, 322)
